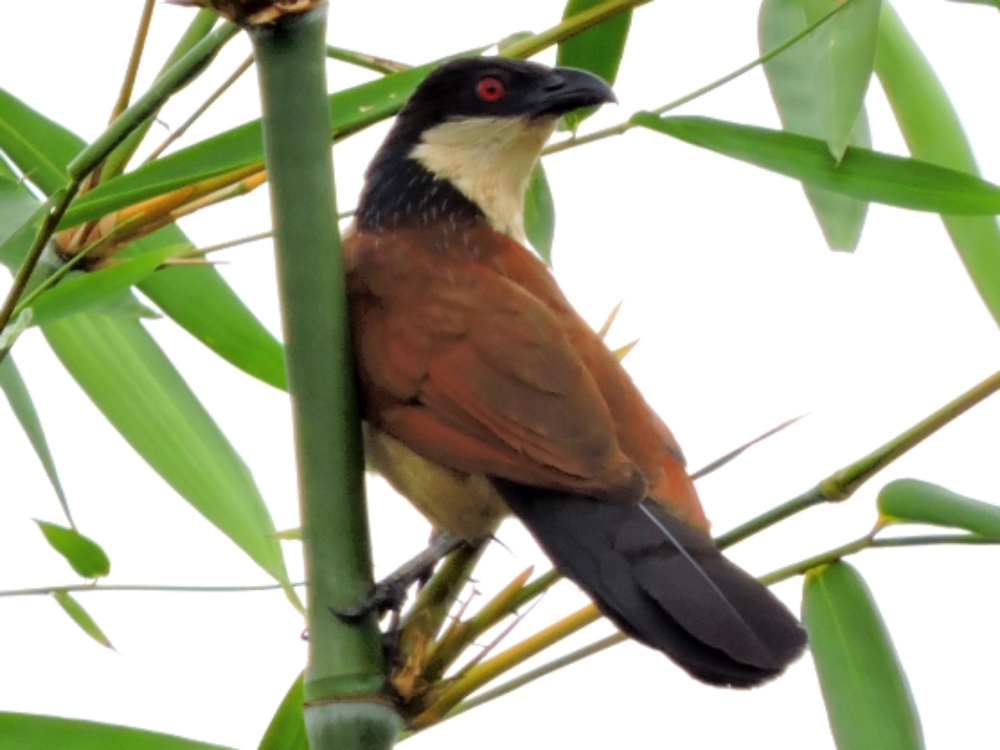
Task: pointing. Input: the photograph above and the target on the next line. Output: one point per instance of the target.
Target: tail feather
(663, 583)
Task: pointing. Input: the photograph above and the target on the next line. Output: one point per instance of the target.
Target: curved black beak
(567, 89)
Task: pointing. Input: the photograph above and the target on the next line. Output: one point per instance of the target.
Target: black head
(496, 87)
(398, 190)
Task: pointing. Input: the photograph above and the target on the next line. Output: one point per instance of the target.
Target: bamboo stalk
(346, 706)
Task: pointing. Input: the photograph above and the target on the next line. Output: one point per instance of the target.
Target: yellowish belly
(462, 503)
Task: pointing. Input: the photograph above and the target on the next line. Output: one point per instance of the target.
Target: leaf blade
(819, 84)
(540, 214)
(814, 98)
(864, 174)
(129, 378)
(35, 731)
(39, 147)
(914, 501)
(201, 301)
(867, 696)
(934, 133)
(85, 291)
(81, 617)
(19, 398)
(84, 555)
(241, 148)
(598, 49)
(287, 730)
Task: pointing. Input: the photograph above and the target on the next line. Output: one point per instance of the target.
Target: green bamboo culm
(346, 708)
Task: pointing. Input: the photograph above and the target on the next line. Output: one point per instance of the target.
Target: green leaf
(540, 214)
(200, 27)
(81, 617)
(351, 110)
(17, 204)
(864, 174)
(20, 214)
(914, 501)
(16, 391)
(83, 554)
(36, 732)
(287, 730)
(40, 148)
(934, 133)
(598, 49)
(867, 696)
(196, 297)
(88, 290)
(991, 3)
(199, 299)
(130, 379)
(818, 86)
(19, 237)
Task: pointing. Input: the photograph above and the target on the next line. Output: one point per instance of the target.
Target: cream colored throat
(489, 160)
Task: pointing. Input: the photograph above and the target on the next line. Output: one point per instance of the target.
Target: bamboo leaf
(922, 502)
(991, 3)
(40, 148)
(86, 291)
(240, 148)
(200, 26)
(83, 554)
(16, 391)
(933, 132)
(18, 239)
(200, 300)
(17, 204)
(540, 214)
(129, 378)
(19, 212)
(867, 696)
(196, 297)
(81, 617)
(35, 732)
(818, 86)
(598, 49)
(287, 730)
(864, 174)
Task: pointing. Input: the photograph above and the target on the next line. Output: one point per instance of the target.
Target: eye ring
(490, 89)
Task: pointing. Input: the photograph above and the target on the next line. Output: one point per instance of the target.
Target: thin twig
(363, 60)
(79, 587)
(868, 542)
(720, 462)
(623, 127)
(212, 98)
(132, 70)
(843, 483)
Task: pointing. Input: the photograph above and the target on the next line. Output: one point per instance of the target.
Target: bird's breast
(465, 504)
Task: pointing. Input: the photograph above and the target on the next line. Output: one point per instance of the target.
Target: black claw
(388, 595)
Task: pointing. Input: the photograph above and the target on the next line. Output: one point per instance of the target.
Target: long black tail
(663, 583)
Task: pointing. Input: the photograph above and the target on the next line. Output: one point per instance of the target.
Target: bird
(484, 393)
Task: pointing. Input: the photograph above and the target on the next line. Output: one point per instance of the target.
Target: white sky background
(745, 319)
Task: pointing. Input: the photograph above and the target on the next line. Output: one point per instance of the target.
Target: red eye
(489, 89)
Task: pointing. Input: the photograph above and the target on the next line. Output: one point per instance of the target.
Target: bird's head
(463, 147)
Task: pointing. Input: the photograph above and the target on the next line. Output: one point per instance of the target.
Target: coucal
(485, 392)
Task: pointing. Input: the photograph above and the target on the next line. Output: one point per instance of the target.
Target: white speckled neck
(490, 161)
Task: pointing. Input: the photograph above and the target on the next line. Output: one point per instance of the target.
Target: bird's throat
(489, 161)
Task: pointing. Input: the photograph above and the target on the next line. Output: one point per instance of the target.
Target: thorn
(622, 351)
(610, 320)
(720, 462)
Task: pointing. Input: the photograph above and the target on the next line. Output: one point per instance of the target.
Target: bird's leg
(390, 592)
